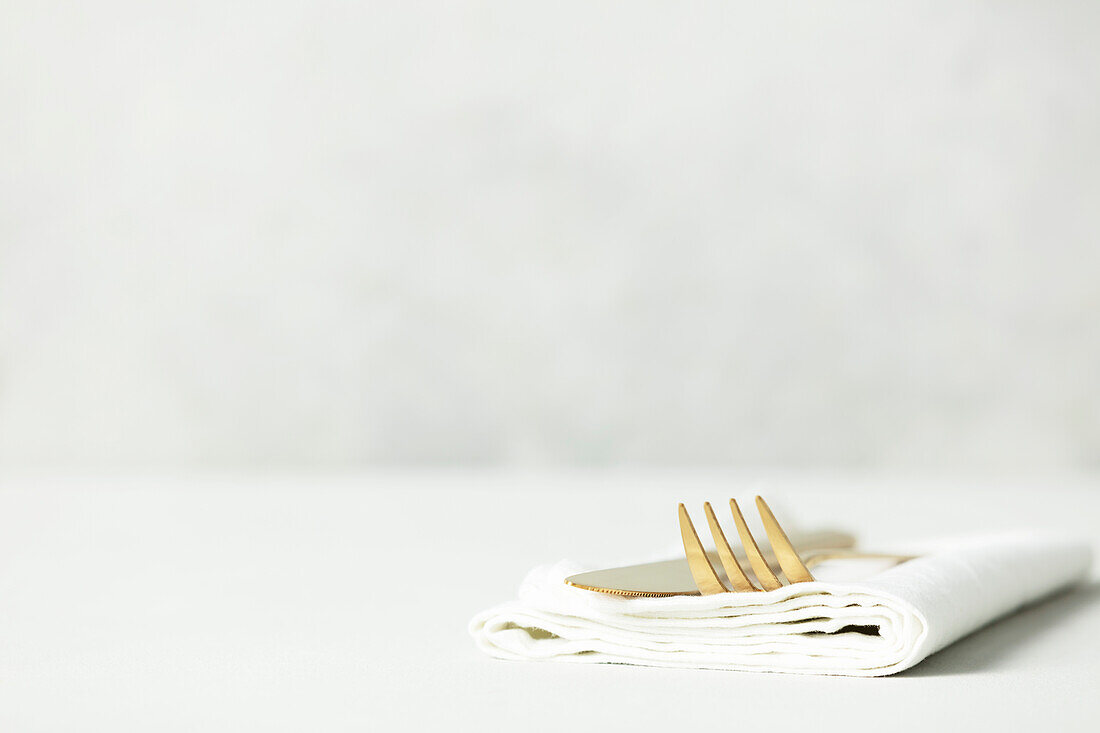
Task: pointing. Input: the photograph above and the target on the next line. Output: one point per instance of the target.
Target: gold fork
(706, 577)
(699, 575)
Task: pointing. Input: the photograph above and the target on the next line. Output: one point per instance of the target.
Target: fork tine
(706, 578)
(736, 575)
(792, 564)
(764, 573)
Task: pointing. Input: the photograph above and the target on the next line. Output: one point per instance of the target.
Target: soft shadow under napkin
(876, 626)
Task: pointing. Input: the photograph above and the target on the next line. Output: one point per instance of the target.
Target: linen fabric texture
(877, 626)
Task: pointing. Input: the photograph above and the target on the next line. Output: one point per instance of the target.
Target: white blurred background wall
(337, 234)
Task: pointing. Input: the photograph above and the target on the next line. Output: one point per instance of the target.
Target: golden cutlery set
(704, 573)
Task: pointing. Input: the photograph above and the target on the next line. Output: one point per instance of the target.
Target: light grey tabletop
(341, 603)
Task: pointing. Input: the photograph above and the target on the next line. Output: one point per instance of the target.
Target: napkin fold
(876, 626)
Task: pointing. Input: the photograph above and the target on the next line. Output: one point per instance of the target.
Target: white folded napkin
(876, 626)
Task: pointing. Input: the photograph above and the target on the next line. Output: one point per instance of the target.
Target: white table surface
(341, 603)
